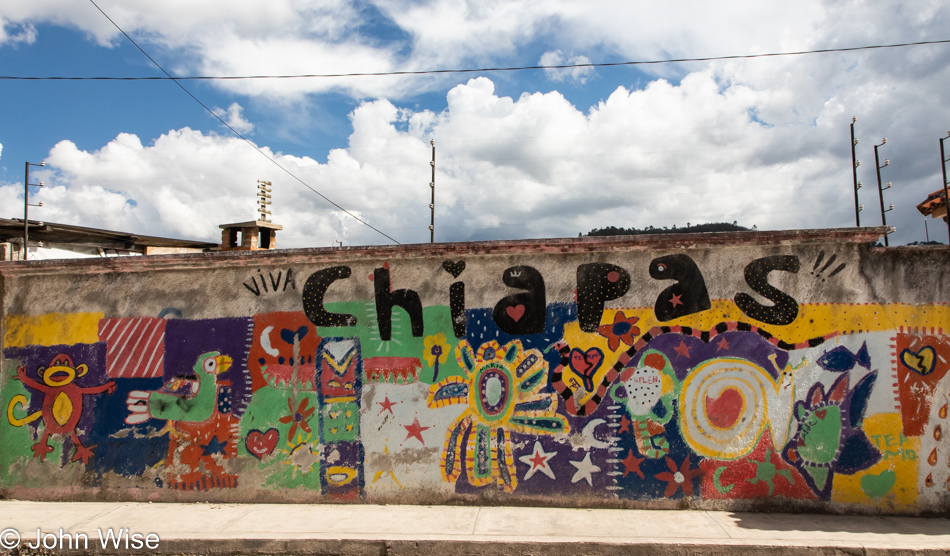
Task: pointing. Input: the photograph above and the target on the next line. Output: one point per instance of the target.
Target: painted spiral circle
(723, 407)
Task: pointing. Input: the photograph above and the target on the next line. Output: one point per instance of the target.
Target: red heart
(586, 362)
(261, 444)
(594, 356)
(578, 362)
(515, 312)
(724, 411)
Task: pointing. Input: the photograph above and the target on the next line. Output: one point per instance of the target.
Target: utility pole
(26, 207)
(854, 172)
(946, 195)
(880, 192)
(432, 187)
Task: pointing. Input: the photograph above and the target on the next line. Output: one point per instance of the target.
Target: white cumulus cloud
(14, 33)
(234, 117)
(575, 74)
(535, 166)
(761, 141)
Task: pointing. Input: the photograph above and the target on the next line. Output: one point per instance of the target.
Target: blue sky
(533, 153)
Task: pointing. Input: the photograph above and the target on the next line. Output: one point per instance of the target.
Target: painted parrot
(190, 397)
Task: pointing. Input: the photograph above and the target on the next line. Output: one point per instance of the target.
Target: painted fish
(842, 359)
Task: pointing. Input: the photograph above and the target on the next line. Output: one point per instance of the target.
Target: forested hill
(714, 227)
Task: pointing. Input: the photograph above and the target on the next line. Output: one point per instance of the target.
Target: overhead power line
(473, 70)
(235, 132)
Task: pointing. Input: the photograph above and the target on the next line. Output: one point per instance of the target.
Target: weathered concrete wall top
(778, 370)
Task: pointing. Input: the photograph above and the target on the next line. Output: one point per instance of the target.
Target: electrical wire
(476, 70)
(245, 139)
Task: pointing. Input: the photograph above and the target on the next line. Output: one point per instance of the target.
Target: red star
(723, 344)
(538, 461)
(682, 349)
(676, 300)
(624, 424)
(415, 430)
(631, 464)
(387, 406)
(676, 479)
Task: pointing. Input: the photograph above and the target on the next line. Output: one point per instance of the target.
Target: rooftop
(934, 205)
(52, 232)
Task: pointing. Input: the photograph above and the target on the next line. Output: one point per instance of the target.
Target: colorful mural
(383, 398)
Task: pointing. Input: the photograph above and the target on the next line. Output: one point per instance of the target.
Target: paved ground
(449, 530)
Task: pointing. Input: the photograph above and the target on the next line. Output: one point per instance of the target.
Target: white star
(538, 461)
(584, 470)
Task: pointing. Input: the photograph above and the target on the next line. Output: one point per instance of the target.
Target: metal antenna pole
(432, 204)
(263, 200)
(854, 173)
(26, 208)
(26, 212)
(880, 192)
(946, 195)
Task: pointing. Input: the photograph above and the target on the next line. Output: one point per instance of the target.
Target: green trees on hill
(699, 228)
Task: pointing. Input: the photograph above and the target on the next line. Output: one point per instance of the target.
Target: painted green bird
(189, 398)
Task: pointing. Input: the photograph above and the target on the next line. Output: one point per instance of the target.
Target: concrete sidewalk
(448, 530)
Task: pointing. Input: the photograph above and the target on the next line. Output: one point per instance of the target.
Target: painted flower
(502, 389)
(436, 352)
(298, 417)
(436, 349)
(677, 478)
(766, 471)
(623, 330)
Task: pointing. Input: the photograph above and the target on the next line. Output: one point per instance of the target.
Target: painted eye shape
(661, 267)
(210, 365)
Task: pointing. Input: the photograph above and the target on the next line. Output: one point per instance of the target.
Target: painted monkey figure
(62, 403)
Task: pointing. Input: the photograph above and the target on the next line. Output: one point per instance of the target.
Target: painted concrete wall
(783, 370)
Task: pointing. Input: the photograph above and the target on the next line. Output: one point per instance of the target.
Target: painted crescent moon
(716, 478)
(265, 342)
(588, 435)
